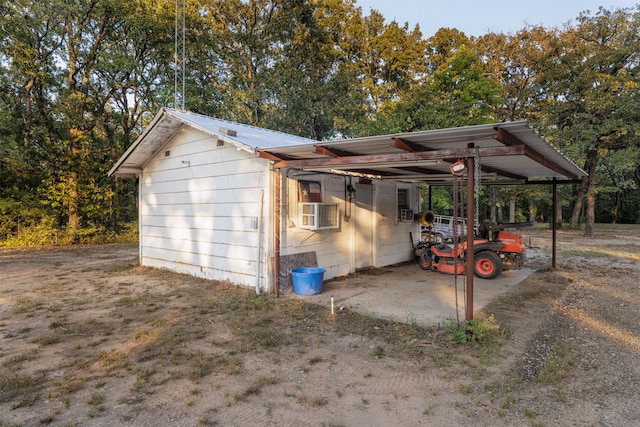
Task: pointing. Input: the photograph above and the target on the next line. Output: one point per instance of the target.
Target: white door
(363, 229)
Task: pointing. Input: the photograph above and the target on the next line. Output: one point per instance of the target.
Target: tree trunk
(577, 207)
(112, 205)
(28, 119)
(492, 192)
(73, 223)
(73, 194)
(558, 212)
(591, 194)
(512, 210)
(615, 212)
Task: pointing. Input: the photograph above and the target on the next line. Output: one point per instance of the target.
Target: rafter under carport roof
(509, 151)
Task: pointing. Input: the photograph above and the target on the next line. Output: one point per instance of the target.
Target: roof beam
(534, 155)
(332, 152)
(507, 138)
(500, 172)
(413, 147)
(363, 160)
(510, 140)
(270, 156)
(409, 146)
(418, 169)
(549, 182)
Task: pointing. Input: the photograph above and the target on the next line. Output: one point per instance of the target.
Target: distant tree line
(79, 80)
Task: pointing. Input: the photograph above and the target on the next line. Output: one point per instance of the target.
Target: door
(363, 227)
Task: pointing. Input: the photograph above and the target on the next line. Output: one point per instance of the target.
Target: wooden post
(553, 224)
(278, 207)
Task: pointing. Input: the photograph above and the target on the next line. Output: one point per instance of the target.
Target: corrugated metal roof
(511, 151)
(169, 121)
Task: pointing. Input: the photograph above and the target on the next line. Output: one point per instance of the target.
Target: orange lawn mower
(494, 251)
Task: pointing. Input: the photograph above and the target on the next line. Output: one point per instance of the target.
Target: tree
(618, 186)
(515, 62)
(390, 59)
(458, 94)
(315, 91)
(444, 44)
(30, 41)
(78, 88)
(592, 82)
(238, 50)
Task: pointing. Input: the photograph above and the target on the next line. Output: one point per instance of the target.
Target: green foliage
(79, 83)
(592, 87)
(45, 233)
(475, 330)
(457, 94)
(441, 199)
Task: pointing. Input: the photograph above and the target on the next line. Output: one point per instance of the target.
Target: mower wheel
(425, 262)
(487, 265)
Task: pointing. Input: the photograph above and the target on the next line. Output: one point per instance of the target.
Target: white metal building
(223, 200)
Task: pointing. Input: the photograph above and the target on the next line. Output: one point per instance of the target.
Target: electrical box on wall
(318, 216)
(406, 215)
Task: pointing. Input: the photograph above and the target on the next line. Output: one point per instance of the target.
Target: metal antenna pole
(179, 55)
(476, 182)
(470, 254)
(455, 244)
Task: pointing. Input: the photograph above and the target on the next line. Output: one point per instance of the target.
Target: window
(403, 198)
(312, 213)
(318, 216)
(405, 213)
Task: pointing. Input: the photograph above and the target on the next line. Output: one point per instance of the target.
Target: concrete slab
(408, 294)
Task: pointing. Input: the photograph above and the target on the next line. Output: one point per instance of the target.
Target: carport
(510, 153)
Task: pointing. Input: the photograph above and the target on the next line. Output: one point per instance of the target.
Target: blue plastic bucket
(307, 280)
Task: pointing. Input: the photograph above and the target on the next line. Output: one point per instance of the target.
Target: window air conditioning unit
(406, 215)
(318, 216)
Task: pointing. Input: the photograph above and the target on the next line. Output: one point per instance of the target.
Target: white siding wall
(199, 210)
(334, 248)
(394, 244)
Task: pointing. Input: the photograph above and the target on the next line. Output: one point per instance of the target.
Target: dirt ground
(88, 338)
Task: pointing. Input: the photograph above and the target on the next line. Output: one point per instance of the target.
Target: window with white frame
(403, 202)
(313, 214)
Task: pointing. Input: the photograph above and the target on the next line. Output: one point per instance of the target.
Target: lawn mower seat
(442, 249)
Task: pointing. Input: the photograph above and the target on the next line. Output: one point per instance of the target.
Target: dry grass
(69, 340)
(175, 333)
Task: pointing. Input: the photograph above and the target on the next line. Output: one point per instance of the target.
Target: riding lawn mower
(494, 250)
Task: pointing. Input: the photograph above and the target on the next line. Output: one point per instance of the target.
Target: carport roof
(508, 152)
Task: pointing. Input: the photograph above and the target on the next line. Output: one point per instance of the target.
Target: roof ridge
(244, 125)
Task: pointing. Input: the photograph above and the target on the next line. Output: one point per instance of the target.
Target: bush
(41, 234)
(46, 234)
(475, 330)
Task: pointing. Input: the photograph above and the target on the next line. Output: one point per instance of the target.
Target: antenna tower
(179, 55)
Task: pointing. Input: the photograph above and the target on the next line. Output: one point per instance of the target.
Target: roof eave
(121, 169)
(132, 148)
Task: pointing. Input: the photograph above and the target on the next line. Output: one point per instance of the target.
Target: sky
(478, 17)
